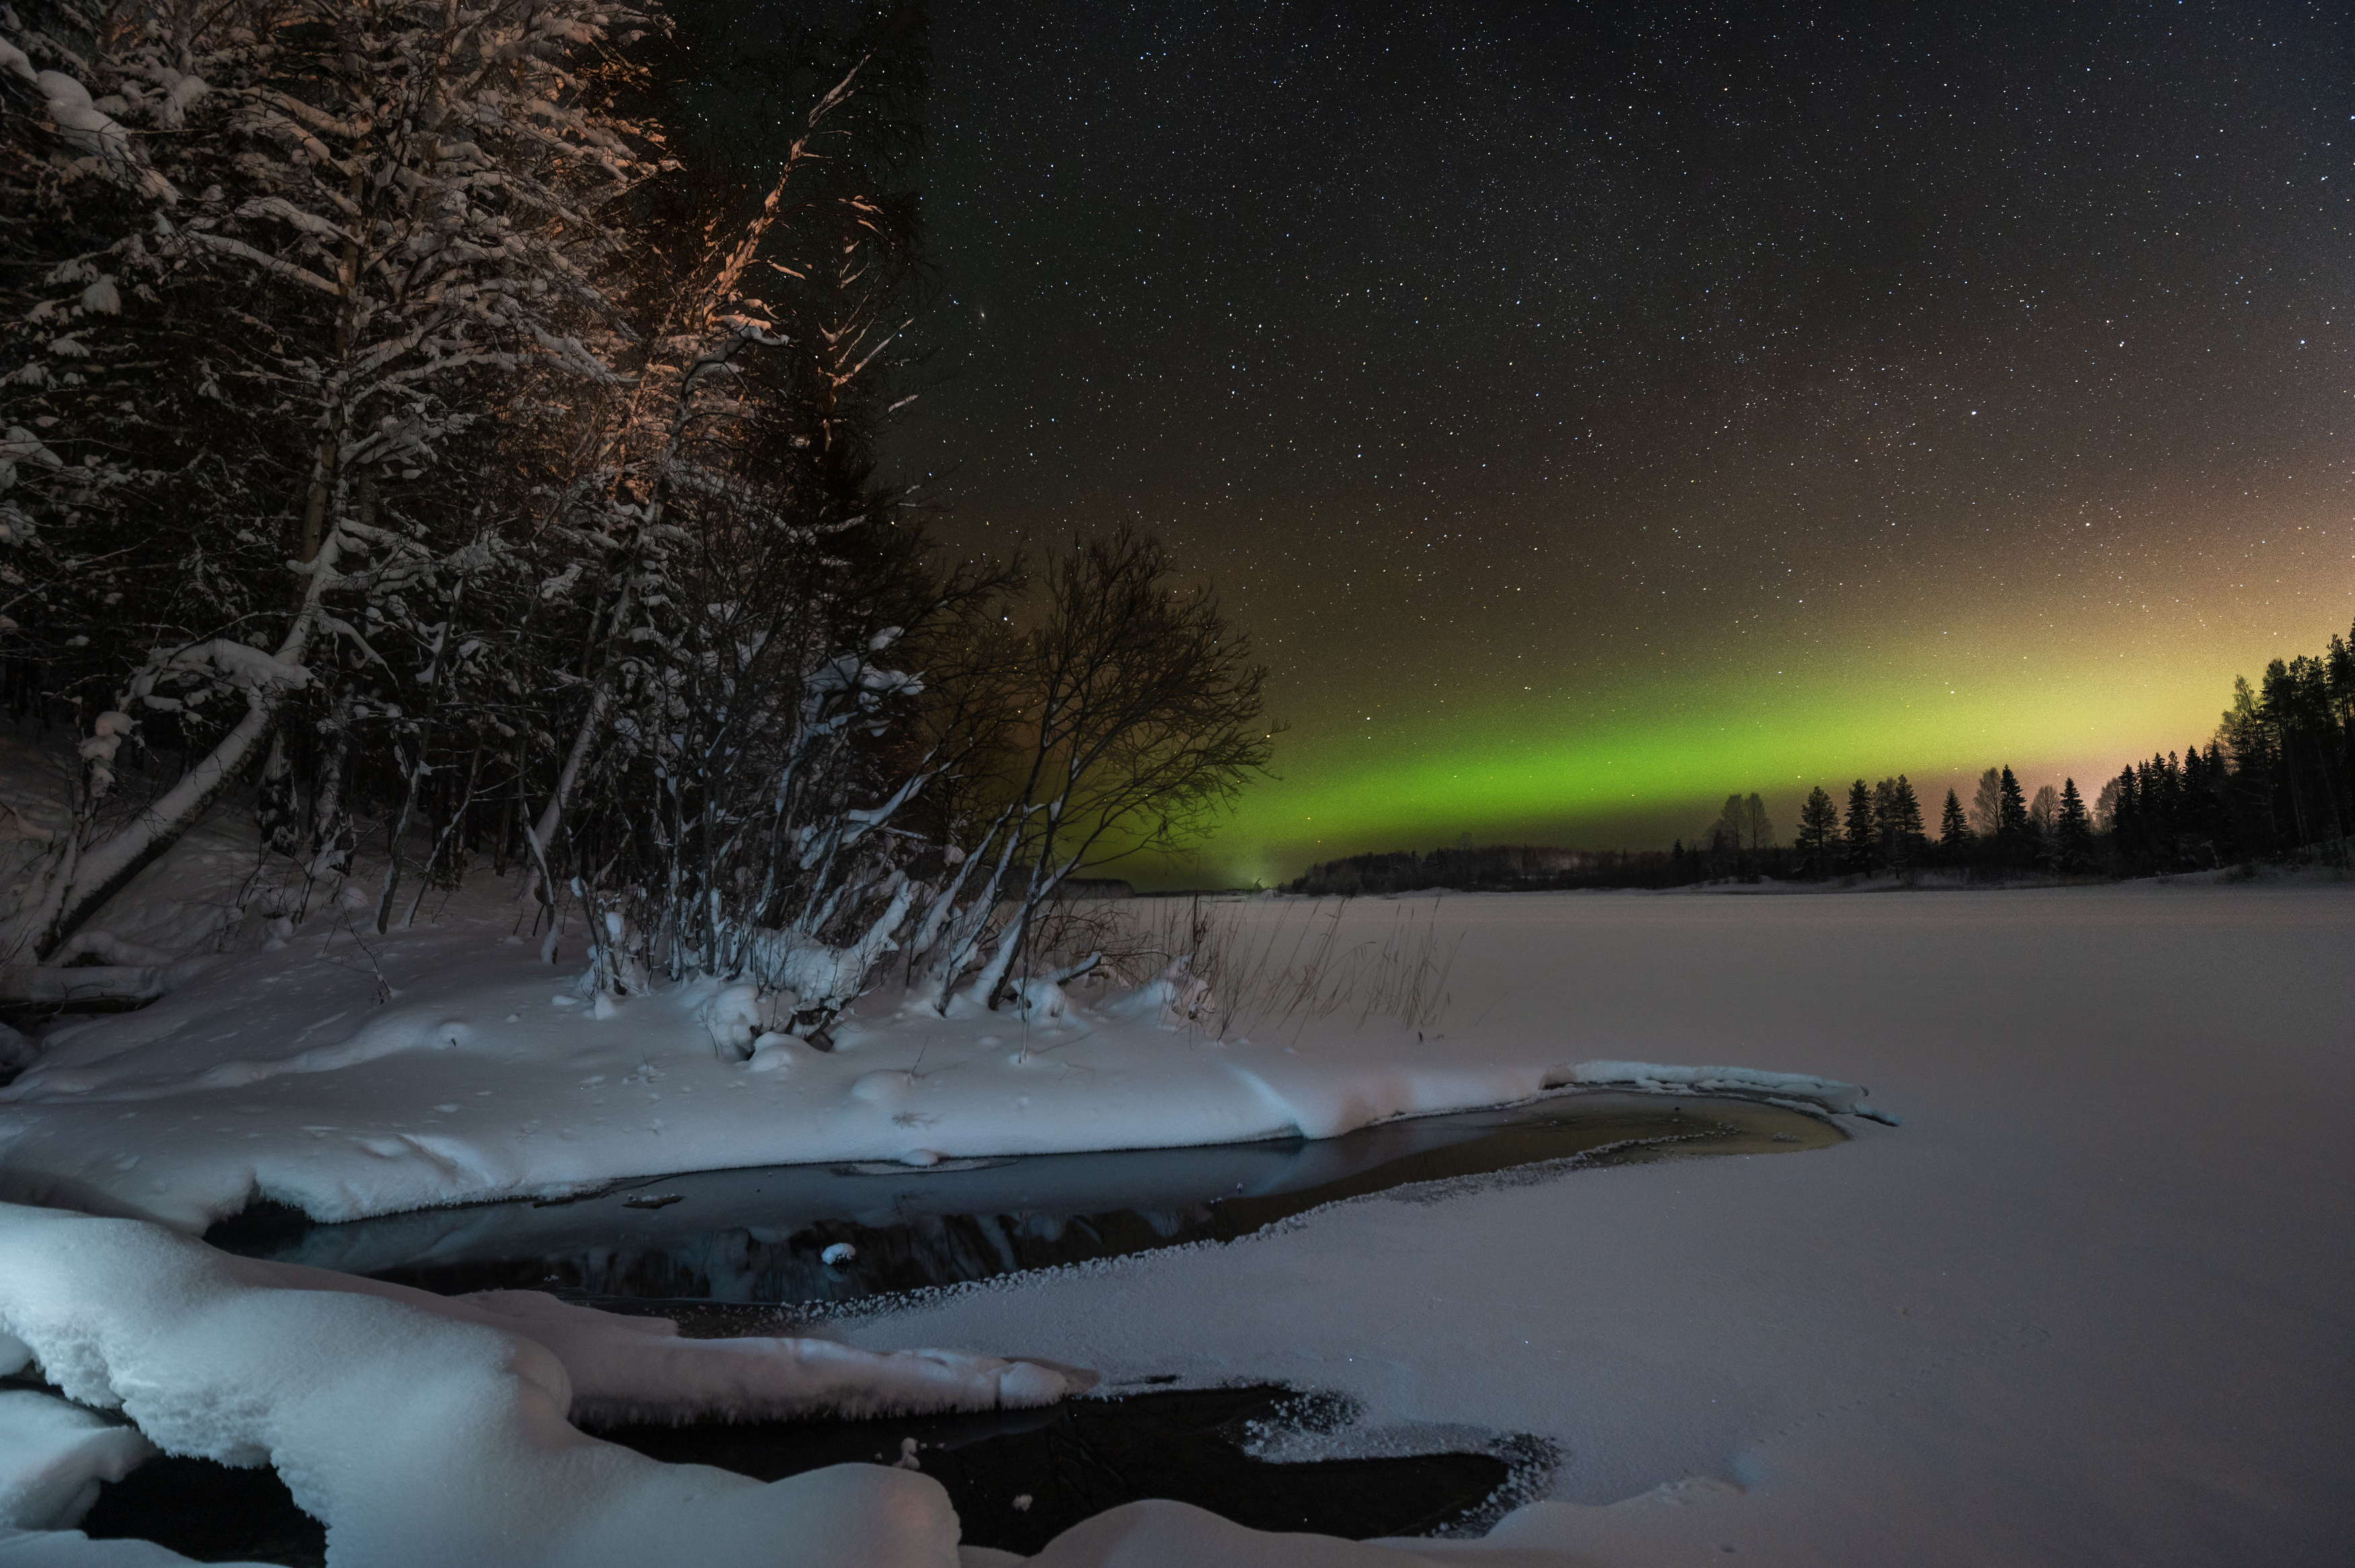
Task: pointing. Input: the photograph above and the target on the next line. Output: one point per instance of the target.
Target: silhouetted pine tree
(1859, 841)
(2162, 793)
(2126, 848)
(2204, 822)
(1818, 834)
(1954, 832)
(2073, 832)
(1905, 825)
(2014, 841)
(2253, 794)
(1884, 823)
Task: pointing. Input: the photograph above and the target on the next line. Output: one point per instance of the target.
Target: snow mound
(372, 1398)
(438, 1068)
(1162, 1534)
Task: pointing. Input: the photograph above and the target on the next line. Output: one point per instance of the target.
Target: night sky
(1591, 411)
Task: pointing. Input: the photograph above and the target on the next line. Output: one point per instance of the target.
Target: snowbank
(370, 1398)
(446, 1066)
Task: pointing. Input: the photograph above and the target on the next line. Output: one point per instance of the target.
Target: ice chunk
(1825, 1094)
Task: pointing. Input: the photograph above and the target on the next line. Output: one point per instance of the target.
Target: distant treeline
(1491, 868)
(2277, 782)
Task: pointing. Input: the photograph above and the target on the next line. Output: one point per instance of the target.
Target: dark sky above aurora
(1590, 411)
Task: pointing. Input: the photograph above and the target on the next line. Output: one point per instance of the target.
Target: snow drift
(370, 1399)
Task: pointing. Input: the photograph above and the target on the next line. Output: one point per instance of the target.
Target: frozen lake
(2091, 1304)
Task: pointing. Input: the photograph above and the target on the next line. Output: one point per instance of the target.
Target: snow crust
(2089, 1306)
(72, 1548)
(1792, 1088)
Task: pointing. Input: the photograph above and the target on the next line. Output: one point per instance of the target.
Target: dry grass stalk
(1267, 968)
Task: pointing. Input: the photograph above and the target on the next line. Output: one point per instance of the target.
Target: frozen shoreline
(279, 1075)
(2086, 1307)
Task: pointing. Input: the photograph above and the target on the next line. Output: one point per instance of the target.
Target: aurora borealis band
(1590, 411)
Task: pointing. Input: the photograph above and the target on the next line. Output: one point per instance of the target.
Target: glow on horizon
(1627, 765)
(1656, 764)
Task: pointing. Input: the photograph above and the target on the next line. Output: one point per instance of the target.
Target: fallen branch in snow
(1787, 1088)
(108, 948)
(99, 985)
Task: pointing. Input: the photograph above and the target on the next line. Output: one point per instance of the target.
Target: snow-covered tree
(297, 252)
(757, 612)
(1135, 714)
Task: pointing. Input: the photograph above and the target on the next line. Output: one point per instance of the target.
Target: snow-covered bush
(760, 614)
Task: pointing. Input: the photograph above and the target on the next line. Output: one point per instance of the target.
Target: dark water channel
(1017, 1479)
(762, 1235)
(737, 1252)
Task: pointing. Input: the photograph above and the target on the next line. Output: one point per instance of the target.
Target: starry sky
(1590, 411)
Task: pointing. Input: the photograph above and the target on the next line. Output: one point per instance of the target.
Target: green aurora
(1654, 764)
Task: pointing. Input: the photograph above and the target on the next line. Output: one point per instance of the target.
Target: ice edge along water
(275, 1076)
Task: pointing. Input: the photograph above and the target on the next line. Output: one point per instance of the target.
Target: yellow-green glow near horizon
(1657, 764)
(1509, 783)
(1707, 404)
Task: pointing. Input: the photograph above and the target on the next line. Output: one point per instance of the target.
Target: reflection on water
(763, 1235)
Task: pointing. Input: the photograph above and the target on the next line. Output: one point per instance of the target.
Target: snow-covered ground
(2089, 1304)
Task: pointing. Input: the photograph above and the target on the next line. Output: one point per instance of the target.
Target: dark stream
(1017, 1479)
(735, 1251)
(760, 1235)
